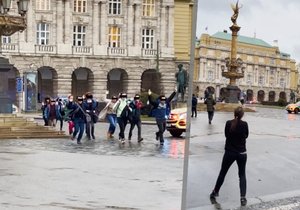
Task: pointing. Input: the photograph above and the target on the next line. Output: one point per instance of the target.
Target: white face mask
(123, 99)
(89, 100)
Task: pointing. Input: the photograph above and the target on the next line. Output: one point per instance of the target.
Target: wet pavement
(99, 174)
(273, 165)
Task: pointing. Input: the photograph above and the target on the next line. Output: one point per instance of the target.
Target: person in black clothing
(61, 109)
(210, 103)
(43, 108)
(78, 116)
(236, 133)
(136, 106)
(194, 105)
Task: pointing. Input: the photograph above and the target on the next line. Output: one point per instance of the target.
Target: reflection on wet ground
(172, 148)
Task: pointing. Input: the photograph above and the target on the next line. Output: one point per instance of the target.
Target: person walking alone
(210, 102)
(236, 133)
(194, 105)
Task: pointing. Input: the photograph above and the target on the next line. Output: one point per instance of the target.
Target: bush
(282, 102)
(144, 98)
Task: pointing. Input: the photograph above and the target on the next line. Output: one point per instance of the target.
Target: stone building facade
(268, 73)
(102, 46)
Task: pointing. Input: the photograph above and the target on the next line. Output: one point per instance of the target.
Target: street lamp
(9, 24)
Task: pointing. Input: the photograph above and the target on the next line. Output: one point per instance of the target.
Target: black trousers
(194, 111)
(161, 124)
(122, 125)
(138, 124)
(210, 115)
(228, 158)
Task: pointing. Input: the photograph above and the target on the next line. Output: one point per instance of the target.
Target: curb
(251, 201)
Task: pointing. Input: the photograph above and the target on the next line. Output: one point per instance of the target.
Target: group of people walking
(83, 113)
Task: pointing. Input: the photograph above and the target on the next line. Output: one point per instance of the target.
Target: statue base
(232, 94)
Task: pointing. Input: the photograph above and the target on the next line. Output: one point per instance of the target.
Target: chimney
(225, 31)
(275, 43)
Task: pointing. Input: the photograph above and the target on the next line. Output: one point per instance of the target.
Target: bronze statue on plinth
(233, 64)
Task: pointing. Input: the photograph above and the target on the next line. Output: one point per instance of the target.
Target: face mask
(89, 100)
(123, 99)
(71, 99)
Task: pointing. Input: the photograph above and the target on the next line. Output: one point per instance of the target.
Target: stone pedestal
(5, 101)
(232, 94)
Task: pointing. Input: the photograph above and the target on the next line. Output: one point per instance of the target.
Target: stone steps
(18, 127)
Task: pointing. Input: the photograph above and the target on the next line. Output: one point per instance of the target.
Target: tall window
(79, 35)
(80, 6)
(114, 37)
(42, 34)
(114, 7)
(282, 83)
(148, 8)
(261, 80)
(43, 4)
(6, 39)
(148, 39)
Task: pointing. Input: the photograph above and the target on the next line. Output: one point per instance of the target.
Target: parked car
(176, 122)
(293, 108)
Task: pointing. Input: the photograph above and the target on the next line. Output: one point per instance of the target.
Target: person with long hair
(236, 133)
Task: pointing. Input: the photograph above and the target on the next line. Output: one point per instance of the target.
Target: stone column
(171, 27)
(163, 26)
(138, 22)
(59, 19)
(64, 84)
(130, 25)
(103, 23)
(30, 21)
(96, 32)
(68, 16)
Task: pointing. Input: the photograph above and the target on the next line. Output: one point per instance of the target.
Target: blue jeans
(79, 127)
(112, 119)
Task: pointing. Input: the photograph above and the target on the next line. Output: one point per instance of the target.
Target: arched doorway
(249, 95)
(151, 80)
(82, 81)
(47, 83)
(117, 82)
(260, 95)
(272, 96)
(282, 95)
(211, 89)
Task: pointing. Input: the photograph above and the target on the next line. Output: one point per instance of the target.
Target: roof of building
(244, 39)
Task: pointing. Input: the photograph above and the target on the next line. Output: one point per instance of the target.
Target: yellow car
(293, 108)
(176, 122)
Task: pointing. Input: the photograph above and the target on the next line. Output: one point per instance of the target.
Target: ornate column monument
(9, 24)
(234, 68)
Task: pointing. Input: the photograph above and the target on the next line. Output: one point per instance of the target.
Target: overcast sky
(269, 19)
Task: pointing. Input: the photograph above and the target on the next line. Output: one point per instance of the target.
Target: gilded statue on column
(235, 9)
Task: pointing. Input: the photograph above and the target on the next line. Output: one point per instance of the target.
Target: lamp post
(9, 24)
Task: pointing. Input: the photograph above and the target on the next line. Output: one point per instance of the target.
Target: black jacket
(236, 140)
